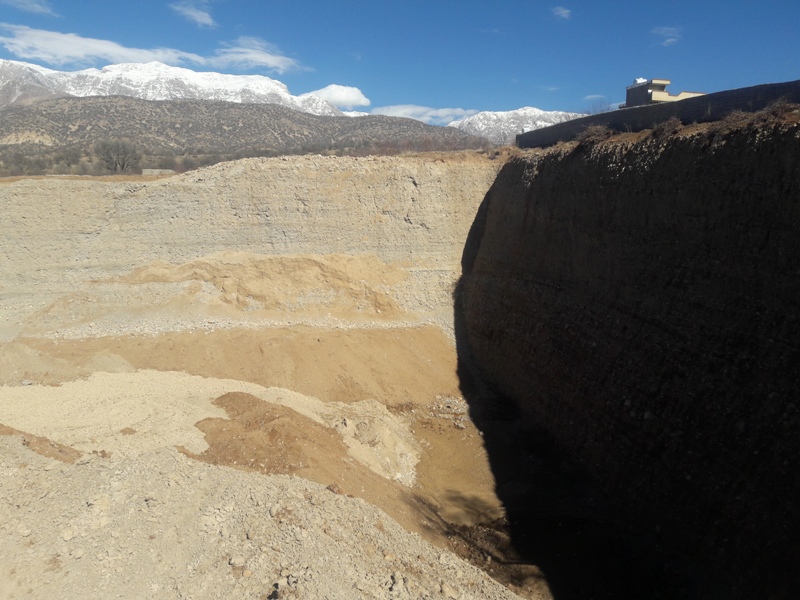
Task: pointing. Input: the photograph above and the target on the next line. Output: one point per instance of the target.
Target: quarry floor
(244, 398)
(109, 399)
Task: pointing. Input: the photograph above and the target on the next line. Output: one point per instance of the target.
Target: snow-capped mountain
(151, 81)
(502, 127)
(23, 82)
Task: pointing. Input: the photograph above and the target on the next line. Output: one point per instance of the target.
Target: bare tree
(118, 156)
(598, 105)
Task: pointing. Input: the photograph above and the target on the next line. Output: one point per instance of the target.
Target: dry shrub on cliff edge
(776, 113)
(667, 128)
(774, 116)
(593, 134)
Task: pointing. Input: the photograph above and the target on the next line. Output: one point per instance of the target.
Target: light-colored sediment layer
(162, 409)
(403, 220)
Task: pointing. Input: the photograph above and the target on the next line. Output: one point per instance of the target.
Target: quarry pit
(563, 374)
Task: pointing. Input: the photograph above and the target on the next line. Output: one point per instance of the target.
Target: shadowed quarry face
(626, 322)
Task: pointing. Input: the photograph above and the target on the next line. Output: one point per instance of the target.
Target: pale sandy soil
(233, 425)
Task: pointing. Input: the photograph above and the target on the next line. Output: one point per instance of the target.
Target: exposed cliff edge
(638, 299)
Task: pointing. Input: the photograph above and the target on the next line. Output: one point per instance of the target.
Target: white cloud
(41, 7)
(426, 114)
(341, 96)
(668, 35)
(196, 11)
(561, 12)
(252, 52)
(56, 48)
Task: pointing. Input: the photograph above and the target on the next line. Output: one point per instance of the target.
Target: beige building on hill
(652, 91)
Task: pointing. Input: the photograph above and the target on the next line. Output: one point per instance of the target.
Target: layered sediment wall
(408, 215)
(639, 300)
(394, 208)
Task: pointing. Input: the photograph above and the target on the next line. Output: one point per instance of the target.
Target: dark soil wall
(640, 301)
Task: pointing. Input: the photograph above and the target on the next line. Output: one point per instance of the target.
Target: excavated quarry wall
(640, 301)
(395, 208)
(412, 211)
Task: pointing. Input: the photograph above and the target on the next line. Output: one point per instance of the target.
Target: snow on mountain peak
(502, 127)
(157, 81)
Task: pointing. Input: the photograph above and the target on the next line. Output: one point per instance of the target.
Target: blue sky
(435, 60)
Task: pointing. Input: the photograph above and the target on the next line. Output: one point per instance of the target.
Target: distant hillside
(262, 132)
(197, 127)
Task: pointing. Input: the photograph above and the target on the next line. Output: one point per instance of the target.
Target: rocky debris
(451, 408)
(160, 524)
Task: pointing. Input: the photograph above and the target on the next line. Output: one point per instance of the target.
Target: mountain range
(22, 84)
(202, 127)
(503, 127)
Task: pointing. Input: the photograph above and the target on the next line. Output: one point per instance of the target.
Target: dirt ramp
(163, 525)
(364, 454)
(358, 449)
